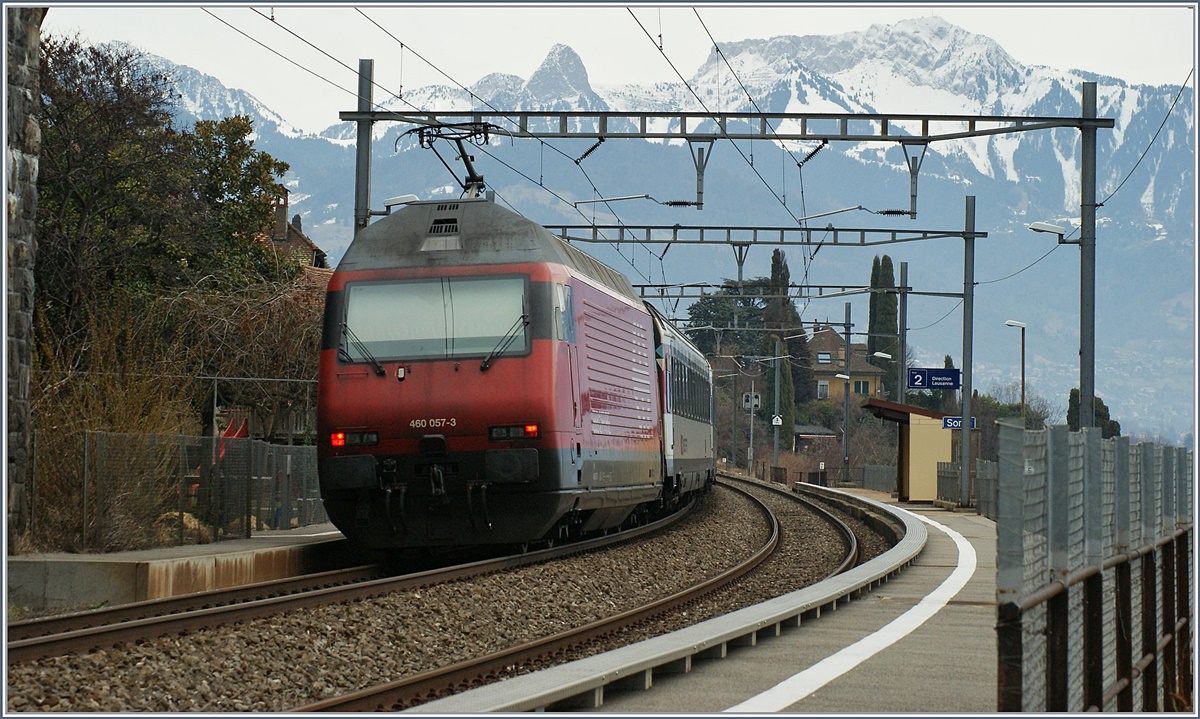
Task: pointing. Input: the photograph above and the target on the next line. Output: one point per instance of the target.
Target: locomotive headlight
(518, 431)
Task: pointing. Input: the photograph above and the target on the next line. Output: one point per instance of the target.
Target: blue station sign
(955, 423)
(934, 378)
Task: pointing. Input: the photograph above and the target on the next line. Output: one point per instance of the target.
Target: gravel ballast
(302, 656)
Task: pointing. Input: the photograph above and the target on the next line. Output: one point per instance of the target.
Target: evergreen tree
(782, 315)
(873, 308)
(1109, 427)
(130, 207)
(719, 309)
(886, 323)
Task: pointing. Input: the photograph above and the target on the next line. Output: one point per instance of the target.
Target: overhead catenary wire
(398, 97)
(1128, 175)
(807, 258)
(1026, 267)
(931, 324)
(266, 47)
(542, 143)
(1152, 139)
(696, 95)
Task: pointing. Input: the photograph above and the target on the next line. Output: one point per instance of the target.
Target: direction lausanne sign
(934, 378)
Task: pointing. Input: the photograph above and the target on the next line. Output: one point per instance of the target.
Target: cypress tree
(886, 323)
(873, 308)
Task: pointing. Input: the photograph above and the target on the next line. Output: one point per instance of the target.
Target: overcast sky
(1142, 43)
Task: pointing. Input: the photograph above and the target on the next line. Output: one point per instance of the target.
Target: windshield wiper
(360, 347)
(505, 341)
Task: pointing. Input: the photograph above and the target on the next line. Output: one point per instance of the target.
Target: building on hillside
(813, 438)
(287, 238)
(827, 346)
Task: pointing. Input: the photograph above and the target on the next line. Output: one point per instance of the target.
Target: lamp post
(775, 456)
(1087, 255)
(750, 419)
(1014, 323)
(846, 407)
(882, 356)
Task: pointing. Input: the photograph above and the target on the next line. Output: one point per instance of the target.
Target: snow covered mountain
(1145, 315)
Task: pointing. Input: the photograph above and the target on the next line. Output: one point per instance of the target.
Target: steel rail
(85, 639)
(74, 621)
(581, 682)
(470, 673)
(849, 539)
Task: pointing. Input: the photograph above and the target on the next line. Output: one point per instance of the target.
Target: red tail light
(519, 431)
(353, 439)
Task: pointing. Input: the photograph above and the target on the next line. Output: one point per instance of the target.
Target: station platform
(925, 641)
(70, 582)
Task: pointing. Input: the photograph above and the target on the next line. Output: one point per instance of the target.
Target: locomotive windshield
(435, 318)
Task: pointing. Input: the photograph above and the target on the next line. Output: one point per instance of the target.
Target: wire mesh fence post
(1183, 563)
(180, 487)
(1093, 588)
(286, 501)
(33, 483)
(1009, 568)
(1058, 606)
(1124, 579)
(1167, 521)
(1149, 584)
(87, 464)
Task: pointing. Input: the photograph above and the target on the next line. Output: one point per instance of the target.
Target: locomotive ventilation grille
(447, 207)
(444, 226)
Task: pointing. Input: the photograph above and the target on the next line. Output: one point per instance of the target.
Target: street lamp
(1053, 230)
(1014, 323)
(845, 423)
(882, 356)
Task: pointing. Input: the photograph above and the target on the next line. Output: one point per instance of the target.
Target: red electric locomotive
(484, 382)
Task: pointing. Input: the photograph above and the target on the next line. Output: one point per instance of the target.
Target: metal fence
(1094, 550)
(981, 486)
(140, 491)
(881, 478)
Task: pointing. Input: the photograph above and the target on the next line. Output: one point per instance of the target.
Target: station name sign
(934, 378)
(955, 423)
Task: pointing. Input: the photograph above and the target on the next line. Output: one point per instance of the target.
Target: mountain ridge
(1146, 232)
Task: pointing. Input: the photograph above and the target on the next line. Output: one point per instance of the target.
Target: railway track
(30, 629)
(582, 684)
(209, 683)
(414, 690)
(101, 629)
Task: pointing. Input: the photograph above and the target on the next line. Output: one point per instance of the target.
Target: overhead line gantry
(701, 129)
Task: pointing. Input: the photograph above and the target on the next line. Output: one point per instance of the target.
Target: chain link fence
(1094, 554)
(879, 477)
(139, 491)
(981, 486)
